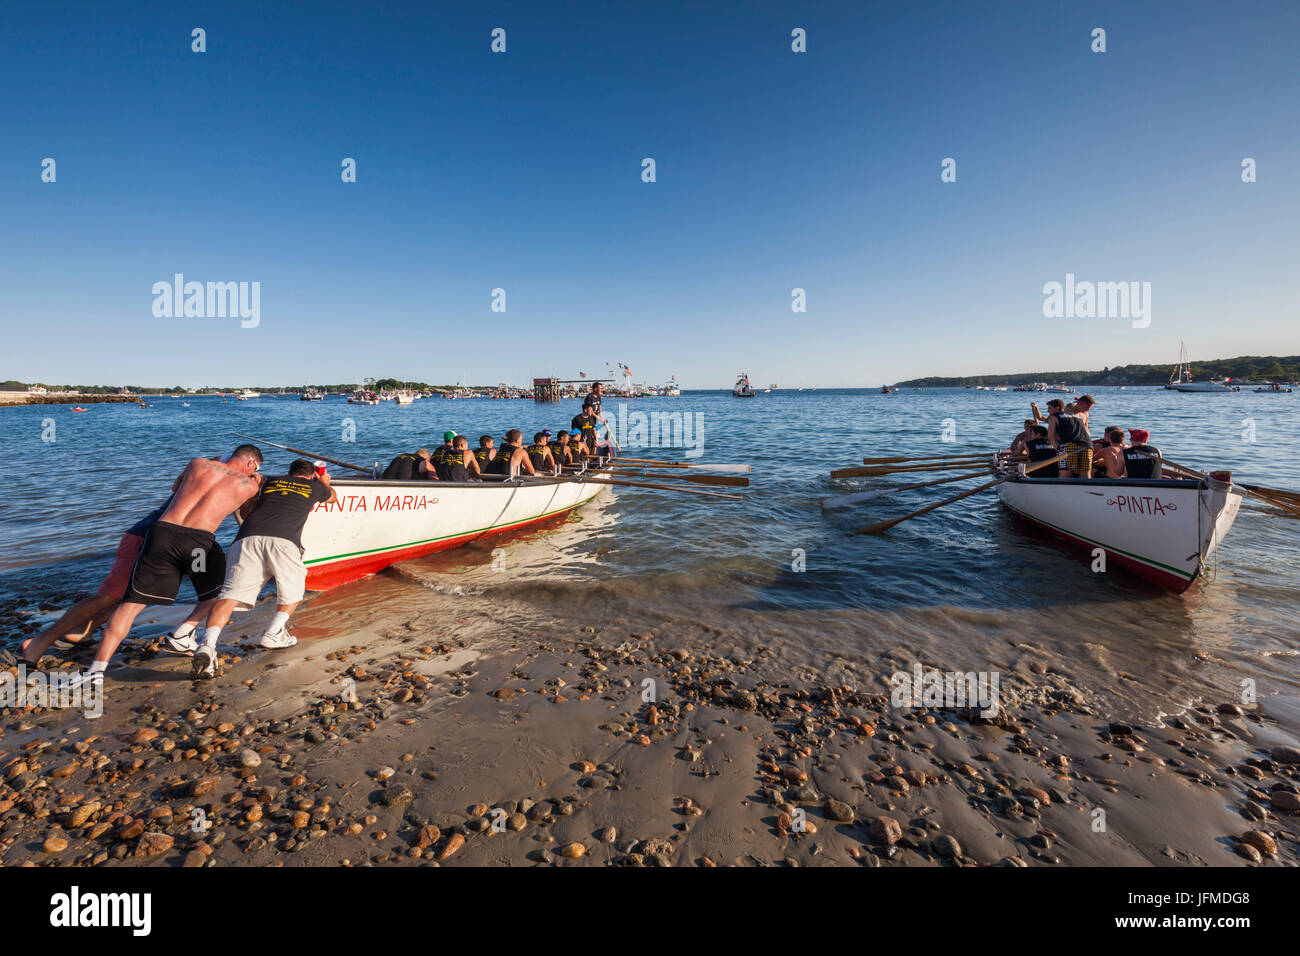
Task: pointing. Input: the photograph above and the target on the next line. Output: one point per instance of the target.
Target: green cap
(448, 436)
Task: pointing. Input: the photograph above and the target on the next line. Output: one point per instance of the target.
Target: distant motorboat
(1273, 388)
(248, 393)
(743, 389)
(311, 394)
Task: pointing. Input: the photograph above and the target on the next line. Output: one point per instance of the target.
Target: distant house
(37, 390)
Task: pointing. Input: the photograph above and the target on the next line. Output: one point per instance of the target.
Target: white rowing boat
(1163, 530)
(378, 523)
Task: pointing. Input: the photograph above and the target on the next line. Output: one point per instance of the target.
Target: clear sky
(522, 171)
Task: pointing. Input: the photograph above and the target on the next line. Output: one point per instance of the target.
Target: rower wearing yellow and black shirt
(539, 452)
(565, 451)
(458, 464)
(485, 452)
(512, 458)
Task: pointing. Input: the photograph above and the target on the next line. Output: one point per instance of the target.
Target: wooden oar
(875, 471)
(1266, 495)
(656, 463)
(860, 496)
(880, 526)
(924, 458)
(1290, 497)
(309, 454)
(735, 481)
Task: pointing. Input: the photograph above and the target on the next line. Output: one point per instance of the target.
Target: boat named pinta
(1164, 530)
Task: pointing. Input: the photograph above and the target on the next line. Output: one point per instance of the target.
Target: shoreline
(529, 743)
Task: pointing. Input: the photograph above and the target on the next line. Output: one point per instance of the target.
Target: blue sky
(522, 171)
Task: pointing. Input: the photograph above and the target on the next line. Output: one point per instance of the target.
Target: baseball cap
(1139, 434)
(546, 432)
(448, 436)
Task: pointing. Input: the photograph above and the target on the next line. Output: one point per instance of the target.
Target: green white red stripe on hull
(378, 523)
(1162, 530)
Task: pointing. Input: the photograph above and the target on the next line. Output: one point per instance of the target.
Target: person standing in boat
(539, 453)
(1068, 430)
(269, 545)
(1140, 459)
(512, 459)
(459, 464)
(183, 542)
(584, 429)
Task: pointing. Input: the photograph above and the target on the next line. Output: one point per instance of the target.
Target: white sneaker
(278, 640)
(204, 665)
(181, 645)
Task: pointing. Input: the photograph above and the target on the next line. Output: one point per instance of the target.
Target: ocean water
(771, 577)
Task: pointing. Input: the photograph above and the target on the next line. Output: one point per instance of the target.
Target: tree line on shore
(1245, 368)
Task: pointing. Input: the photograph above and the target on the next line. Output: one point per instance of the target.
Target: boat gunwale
(1184, 484)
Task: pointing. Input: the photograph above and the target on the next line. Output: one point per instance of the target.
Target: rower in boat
(539, 452)
(1140, 459)
(1110, 460)
(459, 464)
(1040, 448)
(410, 467)
(1018, 443)
(485, 452)
(512, 459)
(564, 450)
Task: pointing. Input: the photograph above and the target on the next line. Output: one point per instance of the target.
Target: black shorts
(170, 553)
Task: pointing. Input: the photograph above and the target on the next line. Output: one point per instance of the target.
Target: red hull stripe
(323, 577)
(1165, 579)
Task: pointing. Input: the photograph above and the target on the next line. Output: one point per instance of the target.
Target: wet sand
(484, 733)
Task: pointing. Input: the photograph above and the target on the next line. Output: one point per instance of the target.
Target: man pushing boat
(183, 542)
(269, 545)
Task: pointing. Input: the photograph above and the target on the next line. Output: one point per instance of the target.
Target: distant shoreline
(1252, 369)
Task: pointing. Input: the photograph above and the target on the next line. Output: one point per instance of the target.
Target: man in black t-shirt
(584, 430)
(269, 545)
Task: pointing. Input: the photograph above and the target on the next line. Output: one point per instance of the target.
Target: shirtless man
(1110, 460)
(1018, 443)
(183, 543)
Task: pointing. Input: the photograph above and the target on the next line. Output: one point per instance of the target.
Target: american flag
(582, 374)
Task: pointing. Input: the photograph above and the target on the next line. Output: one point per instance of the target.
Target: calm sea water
(964, 587)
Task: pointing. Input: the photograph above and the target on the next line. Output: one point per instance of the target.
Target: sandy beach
(476, 732)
